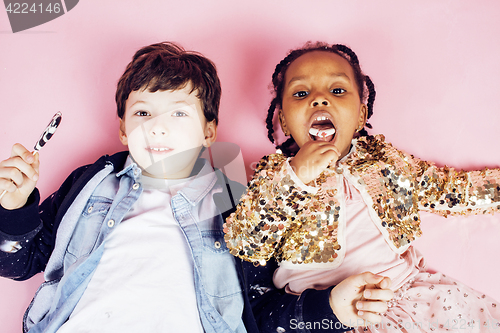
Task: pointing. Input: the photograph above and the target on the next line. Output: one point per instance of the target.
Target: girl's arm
(448, 191)
(262, 217)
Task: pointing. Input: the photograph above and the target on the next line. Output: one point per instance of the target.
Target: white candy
(322, 133)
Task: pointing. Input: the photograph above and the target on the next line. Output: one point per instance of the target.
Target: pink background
(434, 64)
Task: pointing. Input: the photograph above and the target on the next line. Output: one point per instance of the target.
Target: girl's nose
(316, 103)
(319, 101)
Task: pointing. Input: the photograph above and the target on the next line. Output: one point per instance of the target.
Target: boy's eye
(179, 114)
(142, 113)
(338, 91)
(301, 94)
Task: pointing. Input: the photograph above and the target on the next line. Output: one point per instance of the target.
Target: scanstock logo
(26, 14)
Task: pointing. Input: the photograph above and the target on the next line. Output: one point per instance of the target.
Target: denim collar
(131, 169)
(202, 183)
(196, 187)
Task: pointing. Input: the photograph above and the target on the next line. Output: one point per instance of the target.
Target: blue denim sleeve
(276, 311)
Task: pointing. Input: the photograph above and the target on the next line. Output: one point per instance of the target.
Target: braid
(285, 147)
(277, 79)
(353, 58)
(362, 80)
(269, 120)
(371, 97)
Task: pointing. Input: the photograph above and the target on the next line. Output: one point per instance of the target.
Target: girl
(334, 201)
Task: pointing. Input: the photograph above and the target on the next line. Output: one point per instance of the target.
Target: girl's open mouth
(322, 129)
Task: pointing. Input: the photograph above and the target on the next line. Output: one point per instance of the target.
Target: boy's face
(165, 131)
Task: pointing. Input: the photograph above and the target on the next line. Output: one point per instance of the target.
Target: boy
(134, 242)
(165, 267)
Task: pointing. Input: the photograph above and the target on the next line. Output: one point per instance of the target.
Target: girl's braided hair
(363, 82)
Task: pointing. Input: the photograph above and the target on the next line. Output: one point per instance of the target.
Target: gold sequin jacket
(282, 217)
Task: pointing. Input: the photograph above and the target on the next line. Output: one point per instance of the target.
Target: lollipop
(46, 135)
(49, 131)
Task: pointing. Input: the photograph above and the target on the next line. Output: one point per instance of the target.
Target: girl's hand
(313, 158)
(359, 299)
(18, 176)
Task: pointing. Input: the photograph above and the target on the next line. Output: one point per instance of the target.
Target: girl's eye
(179, 114)
(142, 113)
(301, 94)
(338, 91)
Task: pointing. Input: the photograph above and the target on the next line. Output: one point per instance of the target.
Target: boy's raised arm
(27, 234)
(18, 177)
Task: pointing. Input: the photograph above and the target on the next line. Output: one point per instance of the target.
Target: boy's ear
(122, 135)
(283, 123)
(210, 133)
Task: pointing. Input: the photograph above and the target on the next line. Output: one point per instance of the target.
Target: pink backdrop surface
(434, 64)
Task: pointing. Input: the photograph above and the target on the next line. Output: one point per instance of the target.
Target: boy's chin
(176, 166)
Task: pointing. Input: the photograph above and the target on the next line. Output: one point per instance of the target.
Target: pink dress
(423, 302)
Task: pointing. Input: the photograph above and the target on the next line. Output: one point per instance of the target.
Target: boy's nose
(158, 132)
(158, 128)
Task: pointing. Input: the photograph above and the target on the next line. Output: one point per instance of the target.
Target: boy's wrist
(22, 220)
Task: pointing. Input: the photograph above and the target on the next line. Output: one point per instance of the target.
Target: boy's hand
(313, 158)
(359, 299)
(18, 176)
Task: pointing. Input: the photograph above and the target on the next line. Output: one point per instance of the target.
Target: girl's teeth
(159, 149)
(322, 133)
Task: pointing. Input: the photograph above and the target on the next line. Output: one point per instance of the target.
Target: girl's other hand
(18, 177)
(360, 299)
(313, 158)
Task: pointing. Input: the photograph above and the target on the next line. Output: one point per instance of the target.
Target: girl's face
(321, 101)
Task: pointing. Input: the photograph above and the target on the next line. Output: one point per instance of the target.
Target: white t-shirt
(144, 281)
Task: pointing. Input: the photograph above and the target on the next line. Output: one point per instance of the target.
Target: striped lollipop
(49, 131)
(46, 135)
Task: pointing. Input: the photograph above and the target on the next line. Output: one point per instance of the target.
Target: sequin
(282, 218)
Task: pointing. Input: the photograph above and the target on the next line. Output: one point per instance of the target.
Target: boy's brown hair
(167, 66)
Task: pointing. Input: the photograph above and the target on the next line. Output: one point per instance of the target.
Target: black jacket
(266, 309)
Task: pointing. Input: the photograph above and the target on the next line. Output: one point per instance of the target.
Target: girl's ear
(363, 113)
(122, 135)
(283, 123)
(210, 133)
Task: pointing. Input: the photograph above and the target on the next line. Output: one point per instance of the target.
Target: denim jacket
(31, 232)
(87, 207)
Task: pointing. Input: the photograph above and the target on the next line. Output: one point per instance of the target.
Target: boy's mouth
(322, 129)
(159, 150)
